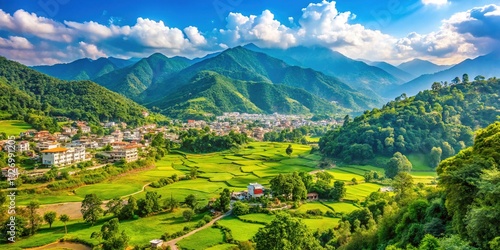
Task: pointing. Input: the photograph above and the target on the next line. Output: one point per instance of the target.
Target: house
(85, 129)
(312, 196)
(129, 153)
(109, 124)
(23, 146)
(255, 190)
(156, 243)
(47, 145)
(42, 134)
(239, 195)
(63, 156)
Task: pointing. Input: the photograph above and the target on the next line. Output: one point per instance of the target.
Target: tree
(64, 218)
(338, 191)
(50, 217)
(289, 150)
(479, 78)
(289, 185)
(223, 202)
(128, 211)
(398, 163)
(114, 206)
(285, 233)
(188, 214)
(465, 78)
(193, 173)
(110, 233)
(171, 203)
(91, 208)
(456, 80)
(403, 186)
(191, 201)
(436, 86)
(435, 156)
(240, 208)
(33, 216)
(429, 242)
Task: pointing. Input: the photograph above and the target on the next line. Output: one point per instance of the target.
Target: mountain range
(486, 65)
(228, 80)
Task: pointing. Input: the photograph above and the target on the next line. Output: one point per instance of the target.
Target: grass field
(13, 127)
(321, 223)
(313, 205)
(202, 240)
(222, 247)
(241, 231)
(360, 191)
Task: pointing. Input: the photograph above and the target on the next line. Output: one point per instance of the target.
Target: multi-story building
(46, 145)
(129, 153)
(23, 146)
(255, 190)
(63, 156)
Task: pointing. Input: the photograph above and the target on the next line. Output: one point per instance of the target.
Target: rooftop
(55, 150)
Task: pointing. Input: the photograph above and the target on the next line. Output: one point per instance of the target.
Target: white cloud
(434, 2)
(15, 42)
(90, 51)
(195, 36)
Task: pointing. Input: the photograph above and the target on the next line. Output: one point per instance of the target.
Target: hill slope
(82, 69)
(245, 65)
(83, 100)
(418, 67)
(133, 80)
(487, 66)
(393, 70)
(357, 74)
(211, 93)
(445, 118)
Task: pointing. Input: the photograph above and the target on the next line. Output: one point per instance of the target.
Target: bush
(315, 212)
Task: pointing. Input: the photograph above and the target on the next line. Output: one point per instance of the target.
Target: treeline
(440, 121)
(31, 94)
(202, 141)
(297, 135)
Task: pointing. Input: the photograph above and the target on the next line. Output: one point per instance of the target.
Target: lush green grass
(224, 246)
(241, 231)
(140, 231)
(107, 191)
(48, 198)
(313, 138)
(322, 223)
(13, 127)
(313, 205)
(361, 191)
(202, 240)
(265, 218)
(419, 163)
(342, 207)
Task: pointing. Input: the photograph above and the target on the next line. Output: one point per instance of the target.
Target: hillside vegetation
(34, 96)
(441, 121)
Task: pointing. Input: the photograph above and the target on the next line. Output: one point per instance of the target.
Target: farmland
(257, 162)
(13, 127)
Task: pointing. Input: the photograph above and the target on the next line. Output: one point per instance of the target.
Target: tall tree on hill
(50, 217)
(289, 150)
(398, 163)
(34, 218)
(64, 218)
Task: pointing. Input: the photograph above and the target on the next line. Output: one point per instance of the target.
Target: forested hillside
(211, 93)
(437, 123)
(36, 94)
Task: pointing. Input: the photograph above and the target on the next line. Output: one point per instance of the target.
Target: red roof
(258, 191)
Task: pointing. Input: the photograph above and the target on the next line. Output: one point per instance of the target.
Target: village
(76, 142)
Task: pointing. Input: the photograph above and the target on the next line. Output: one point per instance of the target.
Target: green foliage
(444, 118)
(191, 201)
(64, 218)
(289, 186)
(110, 233)
(91, 208)
(471, 181)
(36, 96)
(223, 202)
(188, 214)
(398, 163)
(201, 141)
(50, 217)
(289, 150)
(285, 233)
(338, 191)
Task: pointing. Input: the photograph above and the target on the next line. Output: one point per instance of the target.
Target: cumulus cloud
(434, 2)
(15, 42)
(32, 39)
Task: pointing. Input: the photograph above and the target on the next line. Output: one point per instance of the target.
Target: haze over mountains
(295, 80)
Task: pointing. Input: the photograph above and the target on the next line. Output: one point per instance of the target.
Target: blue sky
(52, 31)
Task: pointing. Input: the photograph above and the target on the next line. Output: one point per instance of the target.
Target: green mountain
(359, 75)
(245, 65)
(444, 119)
(135, 79)
(418, 67)
(32, 93)
(82, 69)
(211, 93)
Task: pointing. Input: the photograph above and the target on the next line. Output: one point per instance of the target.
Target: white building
(23, 146)
(63, 156)
(129, 153)
(255, 190)
(46, 145)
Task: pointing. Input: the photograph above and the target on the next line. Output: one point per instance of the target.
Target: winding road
(172, 243)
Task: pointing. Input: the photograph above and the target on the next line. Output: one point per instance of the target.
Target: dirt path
(172, 243)
(72, 209)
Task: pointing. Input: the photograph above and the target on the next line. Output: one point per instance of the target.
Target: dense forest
(438, 122)
(34, 97)
(202, 141)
